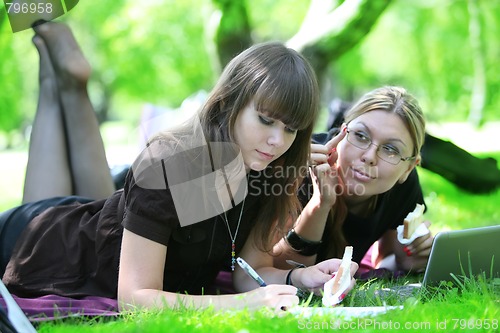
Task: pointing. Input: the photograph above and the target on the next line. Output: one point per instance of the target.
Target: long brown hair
(282, 82)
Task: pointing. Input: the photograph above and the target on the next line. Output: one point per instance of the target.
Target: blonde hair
(398, 101)
(390, 99)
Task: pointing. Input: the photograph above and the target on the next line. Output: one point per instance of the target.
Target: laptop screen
(467, 252)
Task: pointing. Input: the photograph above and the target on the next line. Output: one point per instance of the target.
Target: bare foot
(70, 66)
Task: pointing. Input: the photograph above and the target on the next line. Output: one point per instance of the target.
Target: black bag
(470, 173)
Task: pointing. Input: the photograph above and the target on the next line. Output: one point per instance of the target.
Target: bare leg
(87, 158)
(48, 172)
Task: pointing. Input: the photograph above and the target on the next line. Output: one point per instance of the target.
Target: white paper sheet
(342, 311)
(330, 298)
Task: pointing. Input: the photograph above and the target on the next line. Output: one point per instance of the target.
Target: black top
(73, 250)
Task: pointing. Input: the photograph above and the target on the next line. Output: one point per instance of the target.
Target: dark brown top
(73, 250)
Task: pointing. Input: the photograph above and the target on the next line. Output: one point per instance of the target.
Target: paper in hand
(337, 286)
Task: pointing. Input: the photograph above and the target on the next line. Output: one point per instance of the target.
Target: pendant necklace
(233, 238)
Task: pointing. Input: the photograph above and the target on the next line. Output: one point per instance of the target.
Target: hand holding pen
(279, 297)
(250, 271)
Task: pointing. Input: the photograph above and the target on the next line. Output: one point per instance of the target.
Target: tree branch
(329, 30)
(479, 87)
(233, 33)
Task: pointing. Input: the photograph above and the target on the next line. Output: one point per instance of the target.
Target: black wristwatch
(302, 246)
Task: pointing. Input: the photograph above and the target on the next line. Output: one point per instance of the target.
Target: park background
(161, 52)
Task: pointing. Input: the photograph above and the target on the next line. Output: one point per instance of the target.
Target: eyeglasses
(385, 152)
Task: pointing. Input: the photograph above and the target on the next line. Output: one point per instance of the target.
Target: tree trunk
(328, 31)
(479, 84)
(233, 33)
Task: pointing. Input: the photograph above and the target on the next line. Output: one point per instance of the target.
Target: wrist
(301, 245)
(320, 203)
(289, 278)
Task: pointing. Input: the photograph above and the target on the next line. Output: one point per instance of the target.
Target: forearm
(312, 220)
(284, 252)
(309, 227)
(157, 299)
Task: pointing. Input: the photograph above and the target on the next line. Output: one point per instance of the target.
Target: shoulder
(164, 158)
(410, 190)
(411, 184)
(402, 199)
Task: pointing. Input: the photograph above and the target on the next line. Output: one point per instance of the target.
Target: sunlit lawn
(471, 310)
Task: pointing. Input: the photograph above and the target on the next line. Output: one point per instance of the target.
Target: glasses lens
(389, 154)
(358, 139)
(390, 158)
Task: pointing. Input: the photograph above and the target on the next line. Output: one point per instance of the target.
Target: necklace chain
(233, 238)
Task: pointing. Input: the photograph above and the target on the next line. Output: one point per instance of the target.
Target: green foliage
(425, 46)
(162, 52)
(281, 20)
(153, 51)
(10, 117)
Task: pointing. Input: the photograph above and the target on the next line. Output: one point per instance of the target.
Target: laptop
(456, 254)
(464, 253)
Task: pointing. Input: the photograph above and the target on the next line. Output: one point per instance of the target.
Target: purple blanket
(52, 307)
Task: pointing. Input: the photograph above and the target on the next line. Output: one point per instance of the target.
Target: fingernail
(333, 275)
(408, 253)
(405, 249)
(341, 297)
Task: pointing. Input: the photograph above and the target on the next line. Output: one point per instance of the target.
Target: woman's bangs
(292, 102)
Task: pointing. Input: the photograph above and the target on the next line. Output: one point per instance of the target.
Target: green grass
(450, 207)
(471, 307)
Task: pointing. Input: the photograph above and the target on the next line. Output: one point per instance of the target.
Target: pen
(250, 271)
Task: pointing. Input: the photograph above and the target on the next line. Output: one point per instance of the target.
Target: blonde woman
(362, 186)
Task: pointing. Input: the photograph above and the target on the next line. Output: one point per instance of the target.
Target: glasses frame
(404, 159)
